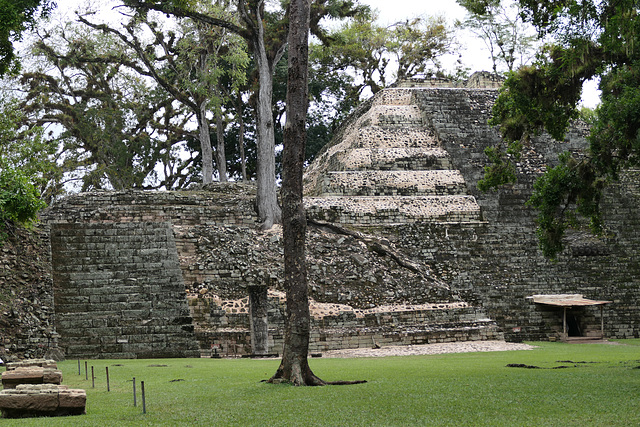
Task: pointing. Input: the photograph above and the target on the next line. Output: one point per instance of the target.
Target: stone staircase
(389, 168)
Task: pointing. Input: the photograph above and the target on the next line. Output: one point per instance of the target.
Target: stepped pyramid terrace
(389, 168)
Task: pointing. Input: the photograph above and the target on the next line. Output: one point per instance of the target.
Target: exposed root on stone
(378, 246)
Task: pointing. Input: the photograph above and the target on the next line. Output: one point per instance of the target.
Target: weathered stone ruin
(118, 291)
(31, 375)
(402, 247)
(33, 389)
(43, 400)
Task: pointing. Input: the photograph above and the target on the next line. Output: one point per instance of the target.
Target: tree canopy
(27, 167)
(587, 40)
(378, 56)
(16, 16)
(501, 27)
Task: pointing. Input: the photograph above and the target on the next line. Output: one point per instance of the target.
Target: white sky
(474, 53)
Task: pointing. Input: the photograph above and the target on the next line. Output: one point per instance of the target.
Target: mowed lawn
(575, 385)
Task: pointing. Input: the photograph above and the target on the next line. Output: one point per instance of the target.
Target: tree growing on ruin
(264, 28)
(380, 55)
(500, 25)
(588, 40)
(192, 65)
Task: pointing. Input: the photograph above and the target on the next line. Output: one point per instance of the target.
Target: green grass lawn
(599, 387)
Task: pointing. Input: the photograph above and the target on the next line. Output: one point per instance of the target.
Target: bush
(19, 201)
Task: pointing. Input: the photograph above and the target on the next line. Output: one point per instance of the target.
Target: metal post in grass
(108, 386)
(134, 392)
(144, 402)
(93, 379)
(86, 372)
(79, 372)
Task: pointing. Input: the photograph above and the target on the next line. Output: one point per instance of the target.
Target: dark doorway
(573, 326)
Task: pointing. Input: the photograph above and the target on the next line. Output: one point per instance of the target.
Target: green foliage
(27, 167)
(418, 44)
(15, 17)
(366, 49)
(499, 24)
(115, 126)
(19, 200)
(440, 390)
(501, 169)
(588, 40)
(207, 56)
(535, 98)
(615, 137)
(570, 186)
(25, 148)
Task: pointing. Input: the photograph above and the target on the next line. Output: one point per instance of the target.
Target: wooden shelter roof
(566, 300)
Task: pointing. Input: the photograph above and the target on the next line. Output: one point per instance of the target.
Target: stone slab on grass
(30, 375)
(36, 400)
(42, 363)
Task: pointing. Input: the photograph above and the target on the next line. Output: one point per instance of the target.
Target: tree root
(377, 245)
(298, 373)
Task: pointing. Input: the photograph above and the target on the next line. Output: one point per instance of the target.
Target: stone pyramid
(388, 168)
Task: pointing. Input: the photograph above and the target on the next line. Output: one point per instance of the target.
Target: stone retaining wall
(498, 265)
(227, 330)
(119, 292)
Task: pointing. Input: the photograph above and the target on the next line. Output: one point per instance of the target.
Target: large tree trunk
(243, 160)
(269, 212)
(205, 145)
(221, 158)
(294, 367)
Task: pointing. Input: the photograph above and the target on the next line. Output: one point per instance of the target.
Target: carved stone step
(392, 183)
(390, 159)
(393, 209)
(392, 116)
(383, 137)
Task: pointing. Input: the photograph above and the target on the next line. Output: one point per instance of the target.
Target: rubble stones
(26, 302)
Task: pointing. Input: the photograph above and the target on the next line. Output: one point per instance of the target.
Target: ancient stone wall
(500, 264)
(335, 326)
(119, 292)
(220, 261)
(26, 301)
(493, 262)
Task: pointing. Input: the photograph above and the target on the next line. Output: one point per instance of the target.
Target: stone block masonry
(396, 220)
(30, 375)
(336, 327)
(119, 292)
(43, 400)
